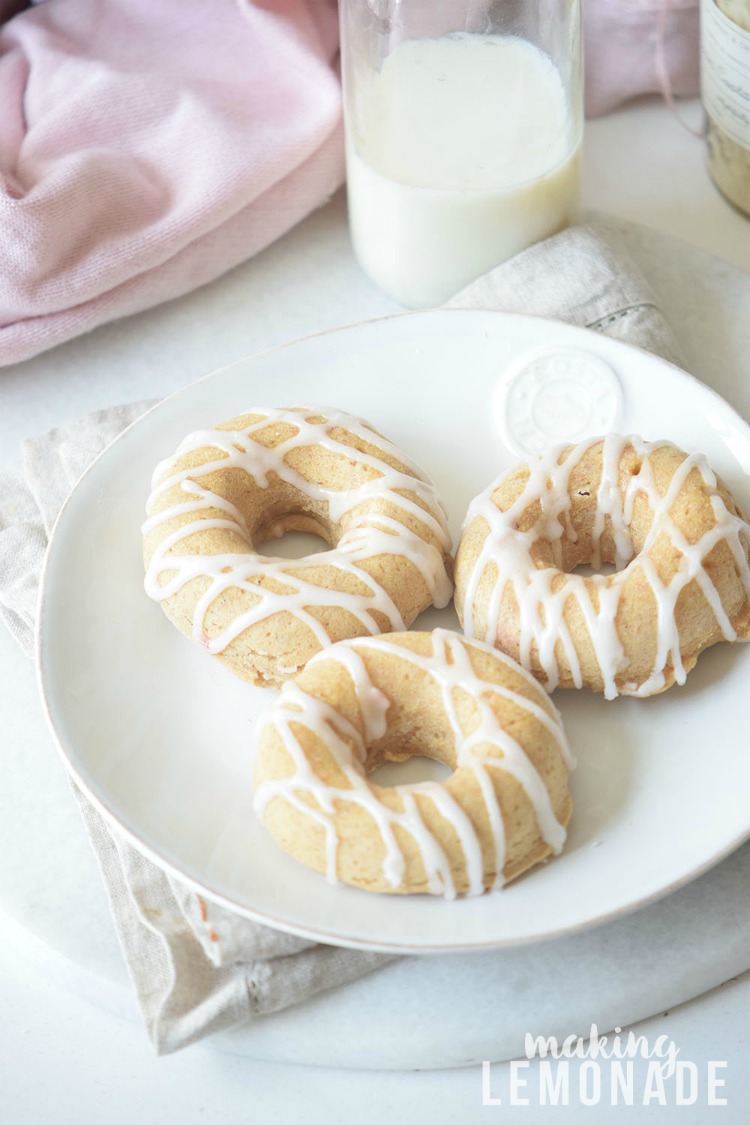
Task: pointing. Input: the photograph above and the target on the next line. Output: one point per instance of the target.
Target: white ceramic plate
(159, 735)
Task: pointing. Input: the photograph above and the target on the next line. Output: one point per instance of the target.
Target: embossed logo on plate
(558, 395)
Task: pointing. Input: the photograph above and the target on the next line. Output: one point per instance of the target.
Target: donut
(661, 517)
(372, 700)
(273, 470)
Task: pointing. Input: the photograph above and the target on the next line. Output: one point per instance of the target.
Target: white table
(65, 1060)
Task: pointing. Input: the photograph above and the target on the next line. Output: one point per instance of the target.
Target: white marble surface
(64, 1062)
(639, 163)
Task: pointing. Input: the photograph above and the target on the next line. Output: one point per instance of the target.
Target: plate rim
(225, 900)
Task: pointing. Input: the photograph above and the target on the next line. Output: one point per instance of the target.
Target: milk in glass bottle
(463, 134)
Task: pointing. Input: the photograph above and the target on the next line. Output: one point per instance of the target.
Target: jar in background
(463, 130)
(725, 89)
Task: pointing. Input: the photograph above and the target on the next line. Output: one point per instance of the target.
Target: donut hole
(575, 552)
(419, 744)
(294, 535)
(577, 555)
(271, 513)
(404, 743)
(292, 545)
(604, 568)
(588, 549)
(415, 769)
(580, 557)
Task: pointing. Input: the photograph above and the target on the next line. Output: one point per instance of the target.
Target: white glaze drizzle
(370, 535)
(542, 610)
(451, 669)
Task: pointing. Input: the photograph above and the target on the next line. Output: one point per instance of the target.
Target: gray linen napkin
(196, 967)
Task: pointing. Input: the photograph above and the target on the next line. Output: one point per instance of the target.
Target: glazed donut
(661, 517)
(372, 700)
(306, 469)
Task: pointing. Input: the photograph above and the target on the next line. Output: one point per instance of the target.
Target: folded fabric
(146, 148)
(639, 47)
(196, 966)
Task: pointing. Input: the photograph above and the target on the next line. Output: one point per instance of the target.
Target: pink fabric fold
(147, 146)
(636, 47)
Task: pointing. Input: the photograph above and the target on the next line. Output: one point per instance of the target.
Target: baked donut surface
(372, 700)
(659, 515)
(274, 470)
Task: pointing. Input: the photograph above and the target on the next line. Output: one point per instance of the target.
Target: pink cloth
(637, 47)
(147, 146)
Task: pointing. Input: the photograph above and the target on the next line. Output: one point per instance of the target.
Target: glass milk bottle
(463, 134)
